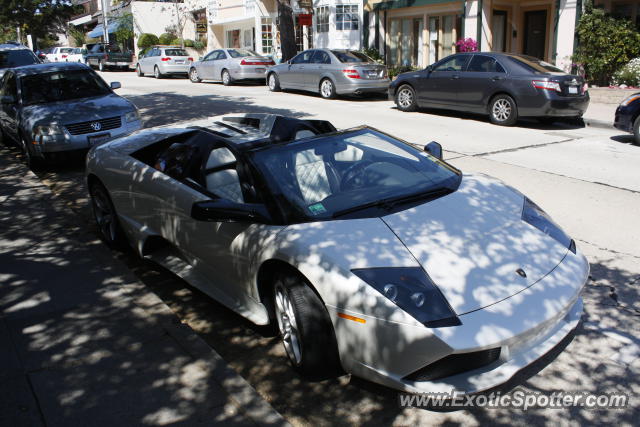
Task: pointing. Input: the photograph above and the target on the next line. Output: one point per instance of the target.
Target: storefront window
(267, 36)
(233, 38)
(322, 19)
(347, 17)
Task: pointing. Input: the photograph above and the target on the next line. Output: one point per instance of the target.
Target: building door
(499, 31)
(535, 33)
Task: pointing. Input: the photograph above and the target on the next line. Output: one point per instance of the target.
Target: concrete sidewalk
(82, 342)
(600, 115)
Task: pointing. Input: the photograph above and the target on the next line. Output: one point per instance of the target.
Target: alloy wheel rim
(225, 77)
(104, 216)
(287, 325)
(272, 82)
(501, 110)
(326, 88)
(156, 72)
(405, 98)
(194, 75)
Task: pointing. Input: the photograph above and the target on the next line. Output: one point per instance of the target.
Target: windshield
(355, 173)
(175, 52)
(537, 65)
(62, 86)
(351, 56)
(240, 53)
(17, 58)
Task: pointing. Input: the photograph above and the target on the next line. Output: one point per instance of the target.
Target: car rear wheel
(226, 78)
(503, 110)
(156, 73)
(327, 89)
(406, 98)
(305, 328)
(193, 76)
(105, 216)
(139, 71)
(636, 130)
(273, 83)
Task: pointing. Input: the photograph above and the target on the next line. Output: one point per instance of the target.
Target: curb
(250, 402)
(603, 124)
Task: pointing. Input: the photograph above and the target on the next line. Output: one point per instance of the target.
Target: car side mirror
(8, 99)
(434, 148)
(429, 69)
(222, 210)
(115, 85)
(200, 58)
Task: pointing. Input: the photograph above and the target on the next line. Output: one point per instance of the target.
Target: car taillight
(190, 59)
(64, 56)
(585, 88)
(250, 62)
(351, 73)
(165, 59)
(541, 84)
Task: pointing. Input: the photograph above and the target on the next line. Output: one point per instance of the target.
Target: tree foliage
(77, 35)
(147, 40)
(37, 17)
(605, 44)
(124, 32)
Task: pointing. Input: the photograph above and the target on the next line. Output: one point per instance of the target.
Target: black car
(505, 86)
(13, 54)
(628, 116)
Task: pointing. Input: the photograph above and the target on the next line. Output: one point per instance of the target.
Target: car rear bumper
(68, 142)
(553, 105)
(174, 68)
(249, 73)
(358, 86)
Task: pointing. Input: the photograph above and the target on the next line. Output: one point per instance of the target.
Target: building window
(322, 19)
(347, 17)
(303, 33)
(233, 39)
(267, 36)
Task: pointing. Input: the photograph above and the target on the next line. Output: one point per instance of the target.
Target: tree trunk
(287, 30)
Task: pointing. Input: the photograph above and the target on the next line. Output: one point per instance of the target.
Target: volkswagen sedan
(368, 255)
(52, 109)
(504, 86)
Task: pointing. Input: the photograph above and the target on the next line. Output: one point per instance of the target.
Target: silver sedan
(229, 65)
(330, 72)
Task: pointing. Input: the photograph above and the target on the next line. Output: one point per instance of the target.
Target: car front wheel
(406, 98)
(305, 328)
(156, 73)
(33, 162)
(503, 111)
(193, 76)
(273, 82)
(139, 71)
(226, 78)
(101, 66)
(636, 130)
(105, 216)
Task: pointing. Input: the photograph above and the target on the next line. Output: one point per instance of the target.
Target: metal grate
(91, 127)
(455, 364)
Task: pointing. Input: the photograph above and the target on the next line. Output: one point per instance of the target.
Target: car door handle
(455, 77)
(496, 78)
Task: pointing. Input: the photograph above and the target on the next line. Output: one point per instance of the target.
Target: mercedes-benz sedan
(55, 108)
(505, 86)
(229, 65)
(369, 255)
(330, 72)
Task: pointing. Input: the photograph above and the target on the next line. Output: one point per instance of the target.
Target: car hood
(472, 242)
(77, 110)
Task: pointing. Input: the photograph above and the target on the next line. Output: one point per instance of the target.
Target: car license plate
(180, 61)
(573, 89)
(372, 73)
(260, 70)
(98, 139)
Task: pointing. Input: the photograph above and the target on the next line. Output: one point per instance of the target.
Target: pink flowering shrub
(467, 45)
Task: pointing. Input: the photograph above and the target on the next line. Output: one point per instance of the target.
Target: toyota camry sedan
(504, 86)
(368, 255)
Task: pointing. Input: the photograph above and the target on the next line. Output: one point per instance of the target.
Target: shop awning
(97, 31)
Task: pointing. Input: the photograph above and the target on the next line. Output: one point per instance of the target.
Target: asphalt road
(586, 178)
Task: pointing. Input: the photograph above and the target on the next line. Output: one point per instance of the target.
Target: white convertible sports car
(371, 256)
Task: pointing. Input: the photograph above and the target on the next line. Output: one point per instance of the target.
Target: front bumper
(524, 327)
(358, 86)
(174, 68)
(68, 142)
(623, 119)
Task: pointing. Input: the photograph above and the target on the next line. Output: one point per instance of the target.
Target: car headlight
(630, 99)
(48, 130)
(534, 215)
(132, 116)
(411, 289)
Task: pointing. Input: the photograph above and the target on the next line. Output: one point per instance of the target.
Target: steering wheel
(349, 179)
